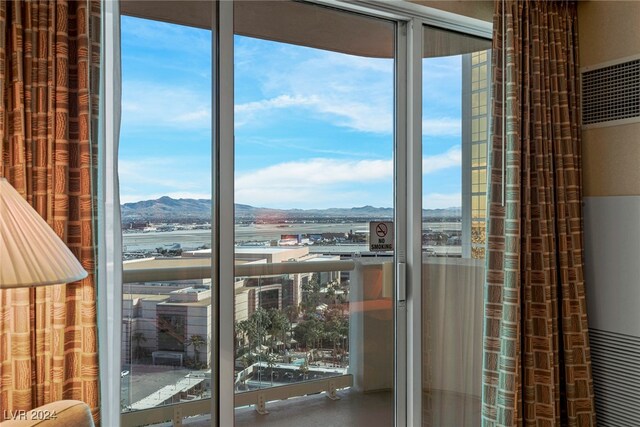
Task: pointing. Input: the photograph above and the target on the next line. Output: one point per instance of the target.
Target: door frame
(410, 19)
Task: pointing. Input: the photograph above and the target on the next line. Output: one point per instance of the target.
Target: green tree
(292, 312)
(311, 294)
(278, 325)
(331, 290)
(247, 360)
(196, 341)
(242, 331)
(333, 336)
(271, 363)
(309, 332)
(304, 369)
(249, 332)
(336, 328)
(261, 323)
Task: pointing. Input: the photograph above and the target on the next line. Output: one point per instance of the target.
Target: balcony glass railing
(167, 336)
(359, 356)
(292, 322)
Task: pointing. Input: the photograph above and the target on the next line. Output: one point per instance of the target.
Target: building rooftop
(266, 249)
(201, 303)
(153, 297)
(151, 263)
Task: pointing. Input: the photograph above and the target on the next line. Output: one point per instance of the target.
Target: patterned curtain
(537, 367)
(48, 335)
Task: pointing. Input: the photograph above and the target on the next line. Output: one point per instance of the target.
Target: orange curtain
(48, 335)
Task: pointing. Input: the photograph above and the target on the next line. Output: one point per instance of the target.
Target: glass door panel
(314, 148)
(456, 115)
(165, 189)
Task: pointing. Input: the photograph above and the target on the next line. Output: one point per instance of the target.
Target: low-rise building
(170, 322)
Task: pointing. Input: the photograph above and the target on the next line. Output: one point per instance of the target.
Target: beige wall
(611, 161)
(609, 31)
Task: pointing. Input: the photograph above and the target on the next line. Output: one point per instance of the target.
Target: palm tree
(317, 332)
(247, 360)
(293, 313)
(331, 291)
(261, 322)
(271, 363)
(334, 333)
(311, 294)
(278, 326)
(196, 341)
(249, 331)
(304, 369)
(242, 331)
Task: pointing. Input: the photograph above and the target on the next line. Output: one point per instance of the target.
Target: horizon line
(284, 209)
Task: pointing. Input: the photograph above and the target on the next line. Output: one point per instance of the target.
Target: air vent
(611, 94)
(615, 362)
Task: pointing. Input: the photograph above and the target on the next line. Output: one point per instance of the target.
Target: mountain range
(167, 209)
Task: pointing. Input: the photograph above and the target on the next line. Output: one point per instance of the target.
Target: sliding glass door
(165, 190)
(313, 214)
(285, 208)
(456, 101)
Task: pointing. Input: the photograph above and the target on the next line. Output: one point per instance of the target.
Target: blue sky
(313, 128)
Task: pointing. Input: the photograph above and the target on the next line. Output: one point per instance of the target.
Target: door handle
(401, 281)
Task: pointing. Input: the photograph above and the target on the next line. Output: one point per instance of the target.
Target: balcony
(359, 370)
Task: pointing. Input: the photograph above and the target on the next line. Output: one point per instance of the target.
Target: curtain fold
(48, 335)
(537, 367)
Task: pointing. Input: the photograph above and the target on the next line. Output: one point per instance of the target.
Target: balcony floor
(441, 409)
(353, 409)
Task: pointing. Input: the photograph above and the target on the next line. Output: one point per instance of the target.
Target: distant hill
(166, 209)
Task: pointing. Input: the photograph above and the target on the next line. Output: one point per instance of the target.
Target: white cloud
(318, 182)
(197, 116)
(299, 146)
(245, 113)
(324, 179)
(312, 183)
(158, 105)
(344, 90)
(318, 171)
(448, 159)
(441, 200)
(282, 101)
(314, 199)
(358, 115)
(444, 126)
(153, 177)
(441, 68)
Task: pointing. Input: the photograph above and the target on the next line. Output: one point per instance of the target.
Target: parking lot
(143, 380)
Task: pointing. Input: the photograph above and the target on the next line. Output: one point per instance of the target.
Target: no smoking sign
(380, 236)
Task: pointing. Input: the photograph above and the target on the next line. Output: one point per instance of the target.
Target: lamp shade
(31, 254)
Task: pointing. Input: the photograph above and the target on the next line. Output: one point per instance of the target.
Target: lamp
(31, 252)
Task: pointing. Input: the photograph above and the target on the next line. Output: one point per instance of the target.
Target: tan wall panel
(608, 30)
(611, 161)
